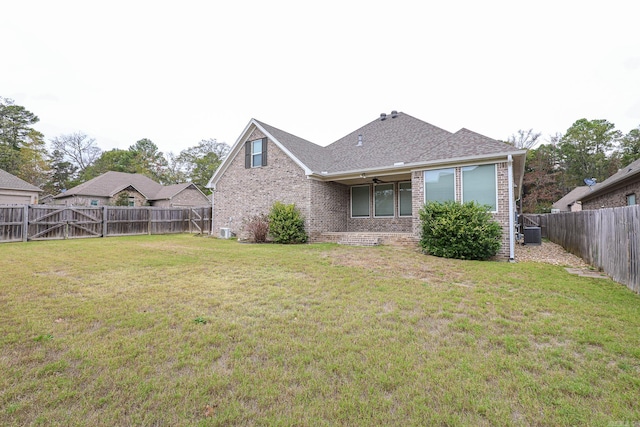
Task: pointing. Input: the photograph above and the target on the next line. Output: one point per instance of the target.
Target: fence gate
(52, 222)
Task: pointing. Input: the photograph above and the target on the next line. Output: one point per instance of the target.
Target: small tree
(286, 224)
(257, 228)
(462, 231)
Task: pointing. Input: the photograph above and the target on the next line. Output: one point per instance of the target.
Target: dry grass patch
(179, 330)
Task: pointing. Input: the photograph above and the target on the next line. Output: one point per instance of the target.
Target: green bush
(462, 231)
(286, 224)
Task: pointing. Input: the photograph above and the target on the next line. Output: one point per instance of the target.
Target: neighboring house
(137, 190)
(620, 189)
(15, 191)
(571, 201)
(374, 180)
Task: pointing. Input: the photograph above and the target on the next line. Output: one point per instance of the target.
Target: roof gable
(12, 182)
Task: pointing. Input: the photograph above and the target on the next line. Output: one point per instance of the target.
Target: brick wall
(241, 193)
(329, 208)
(615, 198)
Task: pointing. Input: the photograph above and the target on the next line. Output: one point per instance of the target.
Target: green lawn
(183, 330)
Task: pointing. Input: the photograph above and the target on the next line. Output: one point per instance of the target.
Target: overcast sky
(178, 72)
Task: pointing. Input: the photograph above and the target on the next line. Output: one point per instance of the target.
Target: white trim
(239, 145)
(511, 209)
(351, 201)
(393, 200)
(399, 214)
(495, 179)
(307, 171)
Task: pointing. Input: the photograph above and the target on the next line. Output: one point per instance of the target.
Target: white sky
(178, 72)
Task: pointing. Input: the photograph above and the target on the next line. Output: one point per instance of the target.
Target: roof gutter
(408, 167)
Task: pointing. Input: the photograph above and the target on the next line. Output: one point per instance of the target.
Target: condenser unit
(225, 233)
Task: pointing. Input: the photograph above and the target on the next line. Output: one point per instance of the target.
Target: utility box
(532, 236)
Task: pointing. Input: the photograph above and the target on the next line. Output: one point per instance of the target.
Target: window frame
(368, 201)
(455, 180)
(631, 196)
(254, 153)
(495, 183)
(400, 215)
(393, 200)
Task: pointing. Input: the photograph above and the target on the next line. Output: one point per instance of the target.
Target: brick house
(620, 189)
(15, 191)
(571, 201)
(136, 189)
(370, 183)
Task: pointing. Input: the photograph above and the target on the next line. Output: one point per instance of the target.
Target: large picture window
(479, 184)
(383, 200)
(440, 185)
(360, 203)
(405, 201)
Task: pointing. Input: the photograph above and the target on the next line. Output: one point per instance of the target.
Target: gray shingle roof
(570, 198)
(312, 155)
(628, 172)
(402, 138)
(12, 182)
(111, 182)
(168, 191)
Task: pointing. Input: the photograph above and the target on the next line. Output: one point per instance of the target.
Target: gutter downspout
(212, 210)
(511, 212)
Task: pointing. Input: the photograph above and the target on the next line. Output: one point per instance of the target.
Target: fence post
(149, 220)
(190, 226)
(25, 223)
(105, 215)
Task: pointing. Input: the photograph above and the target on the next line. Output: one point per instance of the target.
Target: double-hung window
(479, 184)
(255, 154)
(440, 185)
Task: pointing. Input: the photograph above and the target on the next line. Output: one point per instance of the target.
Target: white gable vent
(225, 233)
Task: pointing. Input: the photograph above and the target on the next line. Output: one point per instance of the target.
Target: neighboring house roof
(399, 141)
(622, 177)
(12, 182)
(564, 204)
(110, 183)
(169, 191)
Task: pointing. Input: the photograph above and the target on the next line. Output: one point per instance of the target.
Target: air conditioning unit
(225, 233)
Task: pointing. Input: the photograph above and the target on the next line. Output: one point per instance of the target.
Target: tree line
(592, 149)
(71, 159)
(588, 149)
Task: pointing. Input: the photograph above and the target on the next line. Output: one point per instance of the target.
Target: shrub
(256, 227)
(286, 224)
(463, 231)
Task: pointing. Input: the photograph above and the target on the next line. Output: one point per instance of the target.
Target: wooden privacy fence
(21, 223)
(606, 238)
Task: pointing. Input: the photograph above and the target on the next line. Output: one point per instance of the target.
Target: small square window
(631, 199)
(94, 203)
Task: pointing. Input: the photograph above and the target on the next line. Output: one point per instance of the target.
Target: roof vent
(359, 141)
(383, 116)
(394, 114)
